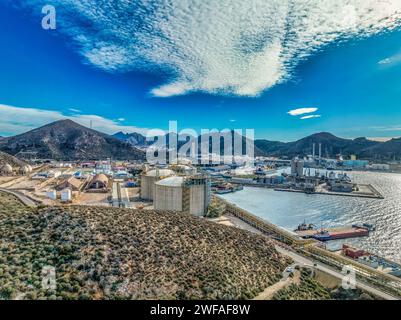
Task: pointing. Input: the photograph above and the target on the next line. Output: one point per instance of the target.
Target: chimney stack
(320, 151)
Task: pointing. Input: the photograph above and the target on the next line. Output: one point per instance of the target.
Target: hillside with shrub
(110, 253)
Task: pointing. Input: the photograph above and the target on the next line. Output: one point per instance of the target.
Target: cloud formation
(220, 47)
(300, 111)
(393, 60)
(311, 116)
(16, 120)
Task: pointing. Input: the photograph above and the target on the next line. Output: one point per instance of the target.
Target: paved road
(305, 261)
(20, 196)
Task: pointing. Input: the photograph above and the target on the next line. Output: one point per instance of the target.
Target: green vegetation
(109, 253)
(310, 289)
(216, 208)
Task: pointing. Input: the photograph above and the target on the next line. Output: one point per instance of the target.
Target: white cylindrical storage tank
(29, 167)
(184, 169)
(51, 194)
(197, 199)
(168, 194)
(149, 179)
(24, 170)
(66, 195)
(6, 169)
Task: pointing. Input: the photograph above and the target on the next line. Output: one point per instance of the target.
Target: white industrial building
(378, 166)
(185, 194)
(149, 179)
(297, 168)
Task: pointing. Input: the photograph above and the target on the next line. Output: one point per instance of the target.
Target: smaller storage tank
(6, 169)
(51, 194)
(24, 170)
(149, 179)
(66, 195)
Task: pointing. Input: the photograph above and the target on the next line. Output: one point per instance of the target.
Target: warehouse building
(99, 183)
(71, 183)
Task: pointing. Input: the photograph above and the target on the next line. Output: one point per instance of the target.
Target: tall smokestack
(320, 151)
(313, 151)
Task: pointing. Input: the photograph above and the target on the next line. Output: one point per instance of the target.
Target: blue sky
(124, 77)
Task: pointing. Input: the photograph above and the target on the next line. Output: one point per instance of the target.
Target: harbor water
(288, 210)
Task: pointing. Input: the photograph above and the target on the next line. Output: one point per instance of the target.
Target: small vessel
(367, 226)
(303, 226)
(259, 171)
(227, 188)
(322, 235)
(223, 191)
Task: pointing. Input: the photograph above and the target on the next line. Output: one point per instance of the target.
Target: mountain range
(331, 146)
(67, 140)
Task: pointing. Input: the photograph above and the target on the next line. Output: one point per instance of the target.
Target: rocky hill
(9, 159)
(387, 150)
(67, 140)
(134, 138)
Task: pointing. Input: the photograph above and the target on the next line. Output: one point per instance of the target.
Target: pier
(365, 191)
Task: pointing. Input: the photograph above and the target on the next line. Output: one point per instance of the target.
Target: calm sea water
(287, 210)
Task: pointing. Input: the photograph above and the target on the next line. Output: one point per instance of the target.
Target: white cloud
(300, 111)
(15, 120)
(380, 139)
(74, 110)
(220, 47)
(395, 59)
(387, 128)
(311, 116)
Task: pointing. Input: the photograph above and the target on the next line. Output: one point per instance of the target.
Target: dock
(365, 191)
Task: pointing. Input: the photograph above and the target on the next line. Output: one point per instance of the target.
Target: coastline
(241, 218)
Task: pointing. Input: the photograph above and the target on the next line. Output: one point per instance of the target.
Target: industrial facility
(190, 194)
(148, 180)
(176, 188)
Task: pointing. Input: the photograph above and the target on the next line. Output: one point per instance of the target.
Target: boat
(368, 226)
(223, 191)
(308, 231)
(303, 226)
(325, 235)
(227, 188)
(322, 235)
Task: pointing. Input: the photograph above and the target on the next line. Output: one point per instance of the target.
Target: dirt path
(269, 292)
